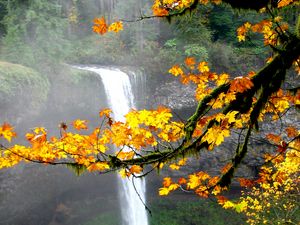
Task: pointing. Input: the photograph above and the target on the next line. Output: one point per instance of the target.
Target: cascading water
(121, 100)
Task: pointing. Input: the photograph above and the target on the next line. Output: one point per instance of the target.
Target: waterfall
(120, 99)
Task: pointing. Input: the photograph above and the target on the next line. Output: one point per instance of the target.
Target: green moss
(77, 75)
(71, 75)
(22, 84)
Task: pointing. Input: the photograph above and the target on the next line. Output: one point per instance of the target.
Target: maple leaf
(173, 187)
(182, 162)
(174, 166)
(176, 70)
(105, 112)
(182, 181)
(100, 26)
(216, 135)
(6, 130)
(126, 155)
(116, 27)
(221, 199)
(202, 191)
(163, 191)
(123, 173)
(222, 79)
(136, 169)
(241, 33)
(98, 166)
(217, 190)
(80, 124)
(194, 181)
(167, 181)
(203, 67)
(246, 182)
(228, 204)
(190, 62)
(283, 3)
(274, 138)
(240, 84)
(242, 206)
(291, 132)
(158, 9)
(203, 176)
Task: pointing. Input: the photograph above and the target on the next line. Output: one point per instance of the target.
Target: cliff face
(174, 95)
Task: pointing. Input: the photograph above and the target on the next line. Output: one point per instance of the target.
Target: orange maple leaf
(274, 138)
(246, 182)
(291, 132)
(100, 26)
(190, 62)
(167, 182)
(136, 169)
(182, 181)
(241, 84)
(284, 3)
(221, 199)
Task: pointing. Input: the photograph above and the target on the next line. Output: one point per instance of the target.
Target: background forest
(46, 36)
(41, 39)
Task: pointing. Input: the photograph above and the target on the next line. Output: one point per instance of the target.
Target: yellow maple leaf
(215, 135)
(98, 166)
(116, 27)
(173, 187)
(80, 124)
(174, 166)
(222, 79)
(176, 70)
(164, 191)
(125, 155)
(123, 173)
(203, 67)
(193, 182)
(6, 130)
(228, 204)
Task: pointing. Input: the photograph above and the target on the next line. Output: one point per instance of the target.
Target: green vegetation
(104, 219)
(42, 34)
(172, 211)
(23, 86)
(198, 212)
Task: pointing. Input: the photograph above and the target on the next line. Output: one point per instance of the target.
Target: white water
(120, 99)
